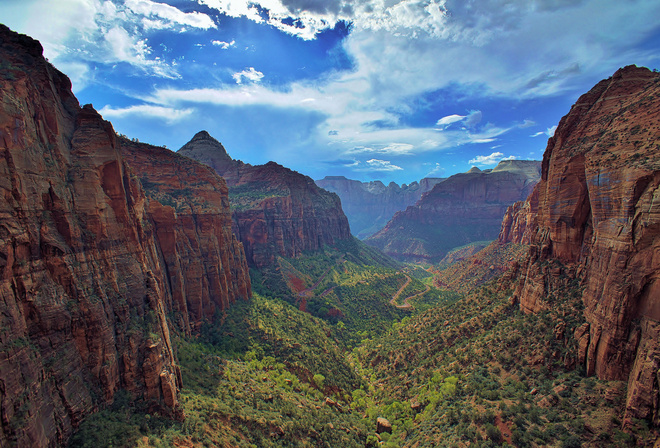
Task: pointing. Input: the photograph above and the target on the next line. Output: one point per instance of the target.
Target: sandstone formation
(463, 209)
(370, 205)
(90, 267)
(597, 211)
(275, 211)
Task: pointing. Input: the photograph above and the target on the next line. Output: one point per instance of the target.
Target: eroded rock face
(465, 208)
(275, 211)
(370, 205)
(84, 284)
(189, 208)
(597, 209)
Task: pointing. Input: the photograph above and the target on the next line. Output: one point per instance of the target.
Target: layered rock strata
(85, 260)
(597, 210)
(275, 211)
(463, 209)
(370, 205)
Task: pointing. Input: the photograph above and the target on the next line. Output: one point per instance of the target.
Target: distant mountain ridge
(462, 209)
(370, 205)
(276, 211)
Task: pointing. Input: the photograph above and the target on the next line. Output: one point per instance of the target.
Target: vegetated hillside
(87, 291)
(468, 273)
(370, 205)
(463, 209)
(276, 211)
(349, 284)
(596, 209)
(259, 378)
(480, 372)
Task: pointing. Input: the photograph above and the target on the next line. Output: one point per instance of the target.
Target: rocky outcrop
(189, 208)
(275, 211)
(370, 205)
(463, 209)
(597, 211)
(85, 289)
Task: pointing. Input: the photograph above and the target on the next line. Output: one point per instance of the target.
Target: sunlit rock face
(88, 262)
(597, 209)
(276, 211)
(464, 208)
(370, 205)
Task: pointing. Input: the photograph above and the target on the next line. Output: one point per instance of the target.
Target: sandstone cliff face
(275, 211)
(85, 290)
(370, 205)
(597, 210)
(465, 208)
(189, 208)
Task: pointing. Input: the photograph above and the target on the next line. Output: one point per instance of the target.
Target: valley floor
(444, 369)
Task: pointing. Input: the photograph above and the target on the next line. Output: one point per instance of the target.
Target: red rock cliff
(85, 281)
(597, 209)
(276, 211)
(465, 208)
(370, 205)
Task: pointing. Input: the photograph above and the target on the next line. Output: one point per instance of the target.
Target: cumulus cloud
(492, 159)
(224, 45)
(249, 74)
(77, 32)
(170, 115)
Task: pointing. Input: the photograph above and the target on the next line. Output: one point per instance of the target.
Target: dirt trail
(406, 304)
(308, 292)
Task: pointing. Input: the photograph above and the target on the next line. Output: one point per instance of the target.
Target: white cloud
(168, 114)
(224, 45)
(549, 132)
(169, 15)
(380, 165)
(492, 159)
(449, 119)
(250, 74)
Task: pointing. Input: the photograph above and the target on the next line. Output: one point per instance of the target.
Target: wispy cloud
(170, 115)
(161, 15)
(549, 132)
(380, 165)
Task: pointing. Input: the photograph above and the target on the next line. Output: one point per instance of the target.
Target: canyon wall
(597, 210)
(276, 211)
(88, 262)
(464, 208)
(370, 205)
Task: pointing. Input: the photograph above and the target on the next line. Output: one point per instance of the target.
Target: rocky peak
(206, 149)
(474, 170)
(275, 211)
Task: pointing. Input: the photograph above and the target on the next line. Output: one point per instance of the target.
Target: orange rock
(275, 211)
(597, 210)
(89, 269)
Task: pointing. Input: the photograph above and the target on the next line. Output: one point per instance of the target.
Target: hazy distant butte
(465, 208)
(369, 205)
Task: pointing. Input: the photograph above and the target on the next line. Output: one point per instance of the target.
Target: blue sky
(395, 90)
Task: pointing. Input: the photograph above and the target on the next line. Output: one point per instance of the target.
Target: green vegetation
(318, 364)
(245, 197)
